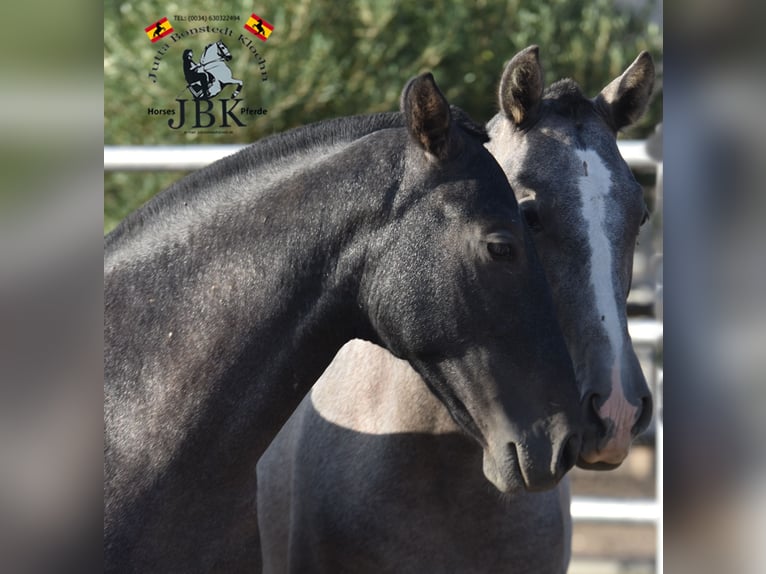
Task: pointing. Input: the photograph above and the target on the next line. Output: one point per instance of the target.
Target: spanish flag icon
(158, 30)
(258, 26)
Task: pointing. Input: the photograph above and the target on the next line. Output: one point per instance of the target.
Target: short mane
(259, 154)
(264, 152)
(565, 98)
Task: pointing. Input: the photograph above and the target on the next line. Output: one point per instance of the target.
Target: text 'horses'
(228, 294)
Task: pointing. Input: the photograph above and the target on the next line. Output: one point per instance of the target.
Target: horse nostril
(644, 416)
(597, 428)
(592, 402)
(569, 454)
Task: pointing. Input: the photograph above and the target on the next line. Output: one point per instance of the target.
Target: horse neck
(210, 54)
(223, 304)
(242, 304)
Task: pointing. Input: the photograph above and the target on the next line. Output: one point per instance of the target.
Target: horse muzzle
(615, 411)
(534, 466)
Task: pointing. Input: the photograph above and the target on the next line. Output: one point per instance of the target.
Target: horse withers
(228, 294)
(371, 474)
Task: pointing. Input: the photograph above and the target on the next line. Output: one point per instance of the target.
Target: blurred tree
(329, 58)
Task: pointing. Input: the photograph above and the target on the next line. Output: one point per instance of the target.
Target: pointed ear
(521, 87)
(427, 114)
(624, 100)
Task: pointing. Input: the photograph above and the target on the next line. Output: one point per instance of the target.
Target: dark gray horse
(371, 474)
(229, 294)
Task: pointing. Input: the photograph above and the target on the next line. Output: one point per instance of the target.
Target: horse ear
(521, 86)
(623, 101)
(427, 114)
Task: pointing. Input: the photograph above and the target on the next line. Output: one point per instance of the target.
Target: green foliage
(329, 58)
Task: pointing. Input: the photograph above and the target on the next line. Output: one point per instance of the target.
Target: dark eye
(646, 216)
(499, 249)
(531, 216)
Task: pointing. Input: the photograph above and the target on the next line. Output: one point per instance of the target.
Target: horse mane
(326, 132)
(264, 152)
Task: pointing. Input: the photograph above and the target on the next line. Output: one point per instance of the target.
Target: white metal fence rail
(189, 157)
(644, 332)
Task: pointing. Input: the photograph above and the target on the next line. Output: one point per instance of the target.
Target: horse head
(215, 51)
(223, 51)
(584, 207)
(458, 291)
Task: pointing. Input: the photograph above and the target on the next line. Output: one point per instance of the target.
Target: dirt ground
(616, 548)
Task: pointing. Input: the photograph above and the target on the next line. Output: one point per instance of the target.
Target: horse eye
(499, 250)
(646, 216)
(531, 216)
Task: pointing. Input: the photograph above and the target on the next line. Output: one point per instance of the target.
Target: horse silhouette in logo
(259, 27)
(158, 30)
(208, 78)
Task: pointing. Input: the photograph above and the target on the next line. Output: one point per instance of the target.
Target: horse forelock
(565, 98)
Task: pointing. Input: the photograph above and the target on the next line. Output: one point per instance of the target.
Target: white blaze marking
(595, 186)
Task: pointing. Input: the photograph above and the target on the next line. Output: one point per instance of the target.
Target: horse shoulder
(371, 452)
(332, 446)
